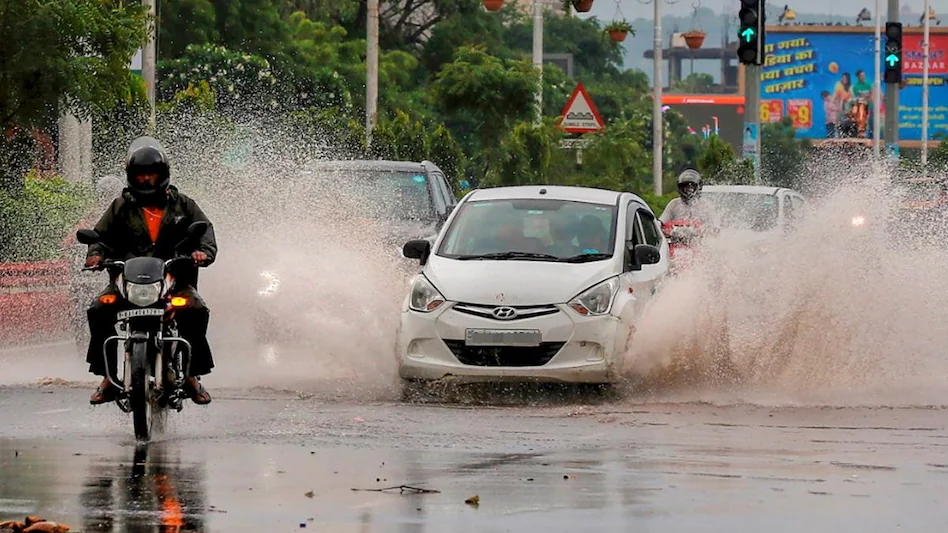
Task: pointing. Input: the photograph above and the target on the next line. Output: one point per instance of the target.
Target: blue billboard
(824, 81)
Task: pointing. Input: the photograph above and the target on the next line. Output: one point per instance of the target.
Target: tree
(783, 156)
(83, 69)
(498, 91)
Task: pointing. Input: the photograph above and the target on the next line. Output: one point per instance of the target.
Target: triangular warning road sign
(580, 114)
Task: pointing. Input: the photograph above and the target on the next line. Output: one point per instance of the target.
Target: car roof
(744, 189)
(371, 164)
(553, 192)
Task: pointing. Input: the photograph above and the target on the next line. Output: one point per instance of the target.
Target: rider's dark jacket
(123, 229)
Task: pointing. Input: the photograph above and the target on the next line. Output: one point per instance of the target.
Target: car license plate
(132, 313)
(502, 337)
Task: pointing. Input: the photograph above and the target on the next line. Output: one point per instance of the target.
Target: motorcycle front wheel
(141, 391)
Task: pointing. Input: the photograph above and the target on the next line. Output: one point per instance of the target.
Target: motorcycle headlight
(424, 297)
(858, 221)
(596, 300)
(271, 284)
(143, 295)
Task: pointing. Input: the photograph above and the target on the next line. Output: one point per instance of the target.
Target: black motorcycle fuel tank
(144, 270)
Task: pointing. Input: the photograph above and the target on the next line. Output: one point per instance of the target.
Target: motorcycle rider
(689, 204)
(149, 219)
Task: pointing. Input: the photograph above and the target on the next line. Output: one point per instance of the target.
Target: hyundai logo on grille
(504, 313)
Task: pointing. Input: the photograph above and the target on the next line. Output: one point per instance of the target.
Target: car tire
(414, 391)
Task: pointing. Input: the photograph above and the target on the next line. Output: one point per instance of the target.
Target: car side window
(649, 228)
(443, 187)
(437, 195)
(799, 206)
(632, 232)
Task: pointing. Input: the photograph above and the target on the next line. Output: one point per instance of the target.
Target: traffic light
(892, 59)
(750, 35)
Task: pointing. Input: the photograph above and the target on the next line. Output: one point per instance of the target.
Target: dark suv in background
(412, 200)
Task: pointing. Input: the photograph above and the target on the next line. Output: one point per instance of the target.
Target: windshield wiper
(585, 258)
(500, 256)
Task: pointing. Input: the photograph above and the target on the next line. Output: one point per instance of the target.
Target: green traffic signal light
(748, 34)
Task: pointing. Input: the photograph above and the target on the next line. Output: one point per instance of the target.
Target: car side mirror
(418, 249)
(640, 255)
(87, 236)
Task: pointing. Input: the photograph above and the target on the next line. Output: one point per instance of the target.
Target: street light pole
(371, 70)
(538, 57)
(657, 130)
(925, 67)
(877, 85)
(149, 53)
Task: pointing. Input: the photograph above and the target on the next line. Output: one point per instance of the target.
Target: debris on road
(474, 500)
(34, 524)
(310, 494)
(402, 489)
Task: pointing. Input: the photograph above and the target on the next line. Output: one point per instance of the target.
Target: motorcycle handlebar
(109, 264)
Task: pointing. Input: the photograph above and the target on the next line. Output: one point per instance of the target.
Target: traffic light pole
(891, 129)
(751, 52)
(752, 111)
(877, 85)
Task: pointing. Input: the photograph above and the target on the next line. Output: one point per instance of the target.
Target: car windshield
(531, 229)
(758, 212)
(382, 194)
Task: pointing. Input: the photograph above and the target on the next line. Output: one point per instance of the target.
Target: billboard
(711, 115)
(818, 77)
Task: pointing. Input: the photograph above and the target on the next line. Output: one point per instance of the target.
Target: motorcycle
(154, 372)
(683, 236)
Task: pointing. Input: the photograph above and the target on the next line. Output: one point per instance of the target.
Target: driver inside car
(149, 219)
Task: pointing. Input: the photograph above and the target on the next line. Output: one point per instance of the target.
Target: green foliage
(83, 68)
(37, 217)
(529, 155)
(474, 83)
(694, 83)
(620, 25)
(783, 157)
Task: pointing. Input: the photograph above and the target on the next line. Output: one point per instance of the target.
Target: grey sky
(846, 9)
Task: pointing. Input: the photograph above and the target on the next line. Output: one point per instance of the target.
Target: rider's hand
(199, 257)
(93, 261)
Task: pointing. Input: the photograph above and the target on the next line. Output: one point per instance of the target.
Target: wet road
(261, 460)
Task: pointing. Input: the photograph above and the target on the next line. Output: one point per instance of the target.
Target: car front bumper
(574, 349)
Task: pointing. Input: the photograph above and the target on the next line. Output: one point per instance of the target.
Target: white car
(756, 207)
(531, 283)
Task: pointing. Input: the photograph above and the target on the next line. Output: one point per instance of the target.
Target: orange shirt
(153, 221)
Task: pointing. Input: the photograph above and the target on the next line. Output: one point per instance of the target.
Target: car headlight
(143, 295)
(858, 221)
(596, 300)
(272, 283)
(424, 297)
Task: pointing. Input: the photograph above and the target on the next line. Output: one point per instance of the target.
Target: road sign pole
(658, 66)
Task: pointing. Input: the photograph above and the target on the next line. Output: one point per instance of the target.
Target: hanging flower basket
(619, 30)
(493, 5)
(694, 38)
(582, 6)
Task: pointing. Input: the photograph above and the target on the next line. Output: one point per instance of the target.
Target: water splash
(833, 313)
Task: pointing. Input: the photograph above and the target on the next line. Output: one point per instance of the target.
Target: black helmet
(691, 177)
(147, 156)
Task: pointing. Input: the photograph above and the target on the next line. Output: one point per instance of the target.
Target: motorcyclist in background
(149, 219)
(689, 204)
